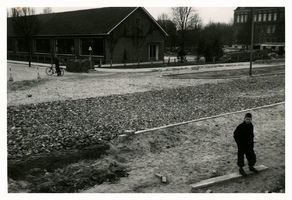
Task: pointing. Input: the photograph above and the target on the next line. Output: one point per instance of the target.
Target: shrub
(79, 65)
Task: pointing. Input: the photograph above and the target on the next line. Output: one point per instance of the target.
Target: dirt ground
(184, 154)
(85, 85)
(197, 151)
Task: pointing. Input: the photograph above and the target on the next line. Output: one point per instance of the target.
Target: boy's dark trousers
(250, 156)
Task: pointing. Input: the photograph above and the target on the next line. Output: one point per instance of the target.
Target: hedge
(79, 65)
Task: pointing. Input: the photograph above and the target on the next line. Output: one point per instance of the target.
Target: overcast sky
(209, 10)
(214, 14)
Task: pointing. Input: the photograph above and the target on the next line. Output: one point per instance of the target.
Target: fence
(34, 58)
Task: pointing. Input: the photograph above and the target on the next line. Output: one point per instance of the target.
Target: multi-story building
(269, 28)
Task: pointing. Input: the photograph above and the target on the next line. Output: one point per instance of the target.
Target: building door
(153, 52)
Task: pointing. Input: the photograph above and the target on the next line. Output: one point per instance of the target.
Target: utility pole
(251, 41)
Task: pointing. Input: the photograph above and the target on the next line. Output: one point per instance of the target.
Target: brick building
(113, 33)
(269, 28)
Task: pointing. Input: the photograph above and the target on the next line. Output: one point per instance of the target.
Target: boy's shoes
(242, 172)
(253, 169)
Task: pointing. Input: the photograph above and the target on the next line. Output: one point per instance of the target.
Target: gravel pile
(70, 124)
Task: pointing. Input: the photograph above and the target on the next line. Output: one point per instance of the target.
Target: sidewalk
(193, 68)
(205, 67)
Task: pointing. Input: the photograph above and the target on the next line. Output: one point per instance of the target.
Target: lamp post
(251, 41)
(90, 49)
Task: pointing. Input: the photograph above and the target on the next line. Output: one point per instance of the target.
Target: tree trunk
(182, 39)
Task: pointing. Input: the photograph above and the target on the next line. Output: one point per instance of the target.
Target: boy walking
(244, 136)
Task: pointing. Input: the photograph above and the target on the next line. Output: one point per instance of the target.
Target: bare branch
(47, 10)
(185, 18)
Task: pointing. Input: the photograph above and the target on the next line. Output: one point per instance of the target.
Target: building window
(238, 18)
(274, 29)
(269, 16)
(255, 17)
(268, 29)
(242, 18)
(95, 43)
(245, 18)
(264, 17)
(21, 45)
(260, 17)
(281, 16)
(275, 16)
(9, 45)
(42, 45)
(65, 46)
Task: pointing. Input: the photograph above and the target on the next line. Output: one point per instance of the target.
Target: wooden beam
(206, 118)
(224, 178)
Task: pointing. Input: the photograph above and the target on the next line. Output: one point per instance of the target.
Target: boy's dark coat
(244, 136)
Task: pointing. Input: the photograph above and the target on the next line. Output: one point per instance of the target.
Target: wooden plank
(224, 178)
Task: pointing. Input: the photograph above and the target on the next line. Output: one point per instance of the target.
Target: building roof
(256, 8)
(98, 21)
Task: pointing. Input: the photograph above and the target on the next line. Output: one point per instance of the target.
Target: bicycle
(51, 70)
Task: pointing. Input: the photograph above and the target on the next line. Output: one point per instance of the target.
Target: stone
(163, 179)
(159, 175)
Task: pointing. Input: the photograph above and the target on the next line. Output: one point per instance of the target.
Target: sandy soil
(197, 151)
(78, 86)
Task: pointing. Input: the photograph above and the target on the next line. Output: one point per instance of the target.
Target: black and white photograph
(132, 98)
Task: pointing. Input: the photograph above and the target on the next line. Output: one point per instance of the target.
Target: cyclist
(57, 64)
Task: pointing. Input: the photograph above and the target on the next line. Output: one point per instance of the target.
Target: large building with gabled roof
(110, 34)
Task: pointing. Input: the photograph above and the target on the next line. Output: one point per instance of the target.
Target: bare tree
(139, 35)
(167, 24)
(231, 21)
(47, 10)
(185, 18)
(25, 25)
(8, 13)
(112, 41)
(163, 18)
